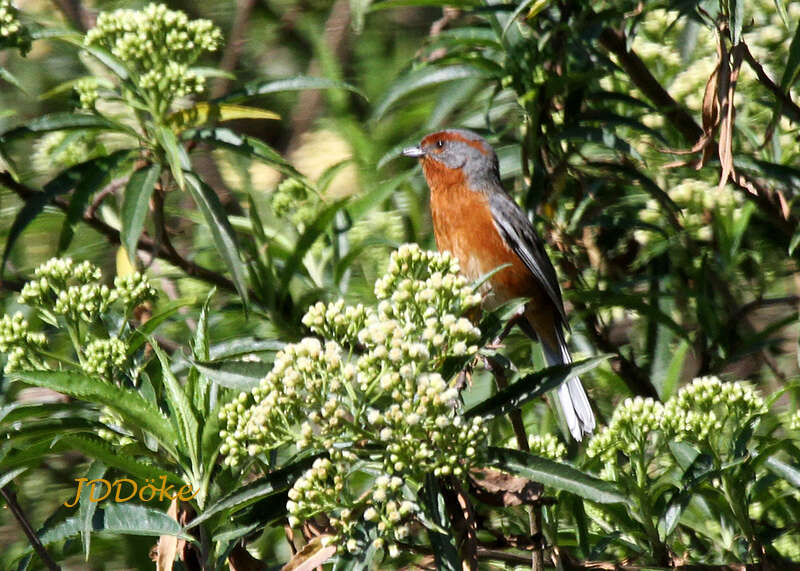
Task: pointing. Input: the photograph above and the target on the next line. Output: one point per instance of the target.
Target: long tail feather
(574, 402)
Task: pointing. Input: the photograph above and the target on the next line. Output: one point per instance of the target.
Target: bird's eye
(439, 144)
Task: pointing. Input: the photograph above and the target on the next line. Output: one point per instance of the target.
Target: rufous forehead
(450, 136)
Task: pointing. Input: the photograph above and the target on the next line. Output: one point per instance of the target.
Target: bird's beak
(413, 152)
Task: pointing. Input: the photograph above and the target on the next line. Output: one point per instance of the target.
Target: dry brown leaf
(312, 555)
(728, 111)
(168, 545)
(500, 489)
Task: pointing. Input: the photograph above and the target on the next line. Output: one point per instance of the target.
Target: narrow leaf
(237, 375)
(203, 113)
(135, 204)
(298, 83)
(221, 230)
(422, 79)
(130, 404)
(532, 386)
(555, 474)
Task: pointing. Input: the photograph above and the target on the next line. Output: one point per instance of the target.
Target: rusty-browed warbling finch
(481, 225)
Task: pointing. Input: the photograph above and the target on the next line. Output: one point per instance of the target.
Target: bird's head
(457, 153)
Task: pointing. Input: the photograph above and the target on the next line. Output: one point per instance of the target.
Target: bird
(479, 223)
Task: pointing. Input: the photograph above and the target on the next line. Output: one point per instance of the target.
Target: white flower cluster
(707, 413)
(547, 446)
(65, 288)
(86, 90)
(20, 344)
(794, 421)
(13, 34)
(158, 46)
(703, 409)
(134, 289)
(102, 356)
(632, 427)
(373, 396)
(294, 200)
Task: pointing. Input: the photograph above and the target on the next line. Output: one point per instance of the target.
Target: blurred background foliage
(654, 145)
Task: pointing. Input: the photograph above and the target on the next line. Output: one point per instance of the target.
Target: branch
(14, 507)
(233, 48)
(112, 235)
(793, 111)
(771, 202)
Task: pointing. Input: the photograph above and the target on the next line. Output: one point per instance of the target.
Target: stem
(74, 337)
(659, 548)
(741, 514)
(13, 506)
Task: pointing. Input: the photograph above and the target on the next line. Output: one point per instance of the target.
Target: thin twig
(112, 235)
(793, 110)
(233, 47)
(11, 502)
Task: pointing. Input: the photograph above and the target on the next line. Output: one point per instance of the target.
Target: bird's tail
(574, 402)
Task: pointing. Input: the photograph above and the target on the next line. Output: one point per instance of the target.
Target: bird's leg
(514, 320)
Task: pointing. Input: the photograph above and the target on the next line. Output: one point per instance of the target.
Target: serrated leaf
(297, 83)
(203, 113)
(124, 518)
(130, 404)
(423, 78)
(221, 230)
(140, 335)
(243, 346)
(555, 474)
(532, 386)
(181, 405)
(135, 204)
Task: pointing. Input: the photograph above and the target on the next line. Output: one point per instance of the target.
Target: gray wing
(517, 231)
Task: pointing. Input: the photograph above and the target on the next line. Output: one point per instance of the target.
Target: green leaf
(59, 122)
(272, 483)
(421, 79)
(87, 508)
(304, 243)
(532, 386)
(556, 475)
(237, 375)
(203, 113)
(243, 346)
(95, 447)
(792, 62)
(181, 405)
(298, 83)
(135, 204)
(6, 478)
(598, 136)
(140, 335)
(786, 471)
(249, 147)
(441, 536)
(176, 155)
(123, 518)
(387, 4)
(221, 230)
(736, 16)
(130, 404)
(102, 170)
(8, 77)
